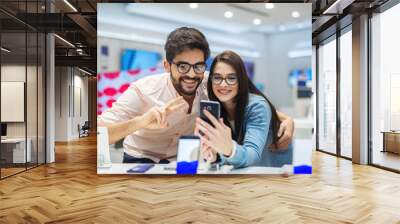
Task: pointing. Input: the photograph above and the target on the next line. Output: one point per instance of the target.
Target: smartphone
(214, 167)
(211, 106)
(140, 168)
(188, 148)
(188, 155)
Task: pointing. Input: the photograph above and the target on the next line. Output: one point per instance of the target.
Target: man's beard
(179, 86)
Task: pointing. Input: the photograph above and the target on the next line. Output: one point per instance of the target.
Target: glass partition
(14, 152)
(346, 94)
(385, 89)
(22, 67)
(327, 96)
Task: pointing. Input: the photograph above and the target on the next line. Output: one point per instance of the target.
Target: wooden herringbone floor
(70, 191)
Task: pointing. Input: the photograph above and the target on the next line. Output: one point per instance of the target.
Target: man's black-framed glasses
(184, 67)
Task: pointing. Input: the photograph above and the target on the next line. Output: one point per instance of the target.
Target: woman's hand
(218, 138)
(208, 153)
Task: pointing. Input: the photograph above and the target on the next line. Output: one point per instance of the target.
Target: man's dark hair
(185, 38)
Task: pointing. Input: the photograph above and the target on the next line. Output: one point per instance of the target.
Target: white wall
(79, 117)
(33, 127)
(274, 65)
(67, 114)
(111, 63)
(14, 73)
(17, 73)
(61, 103)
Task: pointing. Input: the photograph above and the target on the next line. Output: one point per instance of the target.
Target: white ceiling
(211, 15)
(150, 23)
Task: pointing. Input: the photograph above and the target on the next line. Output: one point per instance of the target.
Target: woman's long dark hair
(242, 98)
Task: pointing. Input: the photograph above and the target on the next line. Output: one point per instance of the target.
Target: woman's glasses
(184, 67)
(229, 79)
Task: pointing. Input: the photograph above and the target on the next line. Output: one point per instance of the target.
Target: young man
(155, 111)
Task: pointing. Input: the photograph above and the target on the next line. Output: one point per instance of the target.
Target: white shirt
(143, 94)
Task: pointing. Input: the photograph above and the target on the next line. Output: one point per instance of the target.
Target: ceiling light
(295, 14)
(70, 5)
(84, 71)
(193, 5)
(300, 53)
(256, 21)
(131, 37)
(269, 5)
(65, 41)
(5, 50)
(228, 14)
(335, 6)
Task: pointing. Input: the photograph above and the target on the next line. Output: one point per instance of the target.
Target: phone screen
(211, 106)
(188, 149)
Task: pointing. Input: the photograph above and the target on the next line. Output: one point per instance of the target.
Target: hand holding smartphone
(211, 106)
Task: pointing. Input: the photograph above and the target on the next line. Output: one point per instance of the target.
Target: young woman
(247, 132)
